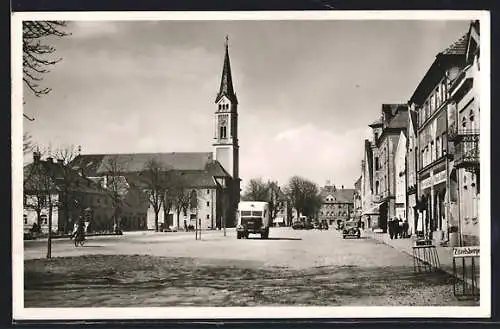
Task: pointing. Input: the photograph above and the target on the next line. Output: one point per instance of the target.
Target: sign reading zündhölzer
(466, 252)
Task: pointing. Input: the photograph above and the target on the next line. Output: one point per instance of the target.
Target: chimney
(36, 157)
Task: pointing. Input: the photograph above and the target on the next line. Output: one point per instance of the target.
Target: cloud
(308, 151)
(86, 29)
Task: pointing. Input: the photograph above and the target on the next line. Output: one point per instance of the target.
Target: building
(370, 211)
(400, 173)
(430, 100)
(411, 172)
(464, 132)
(337, 204)
(386, 133)
(51, 188)
(212, 176)
(357, 204)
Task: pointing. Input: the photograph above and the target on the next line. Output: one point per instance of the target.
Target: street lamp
(221, 181)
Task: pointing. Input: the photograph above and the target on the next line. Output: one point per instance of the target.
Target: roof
(226, 83)
(340, 195)
(400, 120)
(413, 117)
(59, 176)
(459, 47)
(454, 54)
(99, 164)
(375, 123)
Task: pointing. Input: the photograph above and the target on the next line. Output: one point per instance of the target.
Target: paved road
(285, 247)
(291, 267)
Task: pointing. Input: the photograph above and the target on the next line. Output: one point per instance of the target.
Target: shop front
(432, 209)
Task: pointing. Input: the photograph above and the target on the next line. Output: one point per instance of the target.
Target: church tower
(226, 148)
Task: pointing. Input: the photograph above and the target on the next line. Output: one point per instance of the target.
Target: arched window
(220, 107)
(471, 115)
(464, 122)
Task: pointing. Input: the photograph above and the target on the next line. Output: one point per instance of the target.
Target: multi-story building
(358, 206)
(464, 124)
(411, 172)
(337, 204)
(52, 189)
(430, 100)
(400, 175)
(386, 132)
(369, 207)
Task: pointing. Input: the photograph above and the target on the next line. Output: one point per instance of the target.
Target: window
(98, 200)
(376, 187)
(208, 203)
(439, 148)
(208, 191)
(376, 137)
(208, 216)
(464, 122)
(25, 218)
(220, 107)
(376, 163)
(222, 132)
(44, 219)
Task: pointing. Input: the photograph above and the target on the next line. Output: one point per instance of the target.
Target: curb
(372, 236)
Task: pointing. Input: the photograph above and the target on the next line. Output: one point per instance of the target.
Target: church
(212, 176)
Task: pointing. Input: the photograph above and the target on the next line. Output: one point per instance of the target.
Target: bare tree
(173, 186)
(256, 190)
(303, 195)
(28, 145)
(116, 186)
(154, 180)
(41, 192)
(65, 155)
(275, 199)
(38, 54)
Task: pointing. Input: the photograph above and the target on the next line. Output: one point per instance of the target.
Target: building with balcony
(464, 137)
(430, 101)
(386, 134)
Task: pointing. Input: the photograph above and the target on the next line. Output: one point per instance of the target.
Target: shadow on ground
(121, 281)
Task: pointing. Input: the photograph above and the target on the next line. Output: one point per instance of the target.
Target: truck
(253, 218)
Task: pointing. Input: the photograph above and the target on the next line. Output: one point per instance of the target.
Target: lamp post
(221, 181)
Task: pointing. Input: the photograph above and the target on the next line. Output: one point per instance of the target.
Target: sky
(307, 90)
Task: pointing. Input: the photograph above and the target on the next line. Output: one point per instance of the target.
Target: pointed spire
(226, 83)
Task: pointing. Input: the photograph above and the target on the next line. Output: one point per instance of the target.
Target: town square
(209, 163)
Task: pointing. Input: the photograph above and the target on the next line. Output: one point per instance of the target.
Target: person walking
(390, 226)
(405, 229)
(400, 228)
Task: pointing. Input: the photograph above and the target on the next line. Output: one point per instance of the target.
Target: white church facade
(213, 176)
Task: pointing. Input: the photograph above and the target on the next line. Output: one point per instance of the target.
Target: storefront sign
(466, 252)
(433, 180)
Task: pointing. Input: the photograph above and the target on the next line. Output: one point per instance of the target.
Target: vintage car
(298, 225)
(351, 229)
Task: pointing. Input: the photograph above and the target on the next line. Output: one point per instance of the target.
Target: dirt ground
(312, 268)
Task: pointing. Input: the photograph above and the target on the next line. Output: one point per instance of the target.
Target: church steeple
(226, 83)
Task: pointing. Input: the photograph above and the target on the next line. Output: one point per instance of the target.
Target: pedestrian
(405, 229)
(400, 228)
(390, 226)
(185, 225)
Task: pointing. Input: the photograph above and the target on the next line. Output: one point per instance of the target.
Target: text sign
(466, 252)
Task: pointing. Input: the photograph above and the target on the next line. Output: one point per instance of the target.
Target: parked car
(351, 229)
(308, 225)
(298, 225)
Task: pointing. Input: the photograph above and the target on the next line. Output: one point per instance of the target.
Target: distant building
(70, 194)
(400, 173)
(411, 172)
(337, 204)
(386, 133)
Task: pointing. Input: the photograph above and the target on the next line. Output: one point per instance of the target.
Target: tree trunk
(49, 239)
(156, 219)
